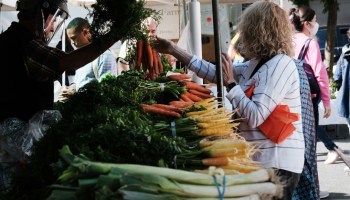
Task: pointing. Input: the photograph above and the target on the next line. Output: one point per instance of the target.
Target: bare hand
(227, 71)
(65, 92)
(163, 45)
(327, 112)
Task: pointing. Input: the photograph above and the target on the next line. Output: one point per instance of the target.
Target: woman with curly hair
(266, 42)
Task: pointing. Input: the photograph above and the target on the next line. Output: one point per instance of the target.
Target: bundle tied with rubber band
(279, 125)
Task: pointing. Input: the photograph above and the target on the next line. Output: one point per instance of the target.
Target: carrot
(168, 107)
(144, 60)
(151, 74)
(218, 161)
(181, 104)
(149, 54)
(139, 45)
(185, 98)
(193, 97)
(200, 94)
(227, 143)
(215, 131)
(160, 111)
(227, 152)
(241, 168)
(193, 85)
(215, 123)
(155, 61)
(160, 65)
(179, 77)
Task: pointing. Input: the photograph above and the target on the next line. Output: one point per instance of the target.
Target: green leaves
(123, 17)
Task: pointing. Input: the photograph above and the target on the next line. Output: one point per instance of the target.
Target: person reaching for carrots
(272, 77)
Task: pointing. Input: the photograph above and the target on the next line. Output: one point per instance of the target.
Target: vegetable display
(142, 135)
(84, 179)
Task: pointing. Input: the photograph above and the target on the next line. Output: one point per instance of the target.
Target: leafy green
(103, 121)
(123, 18)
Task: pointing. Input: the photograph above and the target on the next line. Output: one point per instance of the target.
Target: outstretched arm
(169, 47)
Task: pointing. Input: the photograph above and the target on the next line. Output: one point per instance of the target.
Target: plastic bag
(16, 142)
(17, 136)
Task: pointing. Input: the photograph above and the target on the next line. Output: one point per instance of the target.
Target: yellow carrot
(238, 144)
(227, 152)
(241, 168)
(215, 131)
(208, 119)
(214, 123)
(207, 141)
(218, 161)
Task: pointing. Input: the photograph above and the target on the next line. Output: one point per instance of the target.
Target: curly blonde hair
(265, 31)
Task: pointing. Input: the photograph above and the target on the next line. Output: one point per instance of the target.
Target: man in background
(78, 32)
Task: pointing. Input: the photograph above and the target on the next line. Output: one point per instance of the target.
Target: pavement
(332, 177)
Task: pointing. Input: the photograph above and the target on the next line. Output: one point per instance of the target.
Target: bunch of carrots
(220, 146)
(148, 59)
(195, 92)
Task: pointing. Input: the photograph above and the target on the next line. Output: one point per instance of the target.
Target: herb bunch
(123, 17)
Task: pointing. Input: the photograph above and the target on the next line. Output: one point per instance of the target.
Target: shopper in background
(265, 40)
(305, 26)
(67, 48)
(78, 32)
(30, 66)
(342, 80)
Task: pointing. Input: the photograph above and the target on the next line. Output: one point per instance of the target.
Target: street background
(332, 177)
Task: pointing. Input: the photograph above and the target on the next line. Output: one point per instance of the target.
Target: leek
(79, 166)
(159, 184)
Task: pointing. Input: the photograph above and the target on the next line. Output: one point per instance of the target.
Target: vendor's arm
(43, 62)
(80, 57)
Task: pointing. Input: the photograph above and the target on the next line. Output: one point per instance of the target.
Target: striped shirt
(276, 82)
(105, 64)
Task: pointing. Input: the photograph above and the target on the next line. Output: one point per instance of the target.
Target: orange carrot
(185, 98)
(145, 66)
(218, 161)
(160, 111)
(155, 62)
(181, 104)
(160, 65)
(193, 97)
(149, 54)
(179, 77)
(139, 45)
(168, 107)
(193, 85)
(200, 94)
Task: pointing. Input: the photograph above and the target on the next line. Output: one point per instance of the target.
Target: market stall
(149, 133)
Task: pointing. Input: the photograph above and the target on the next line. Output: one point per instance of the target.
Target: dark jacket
(21, 96)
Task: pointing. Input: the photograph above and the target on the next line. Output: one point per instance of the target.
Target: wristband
(230, 86)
